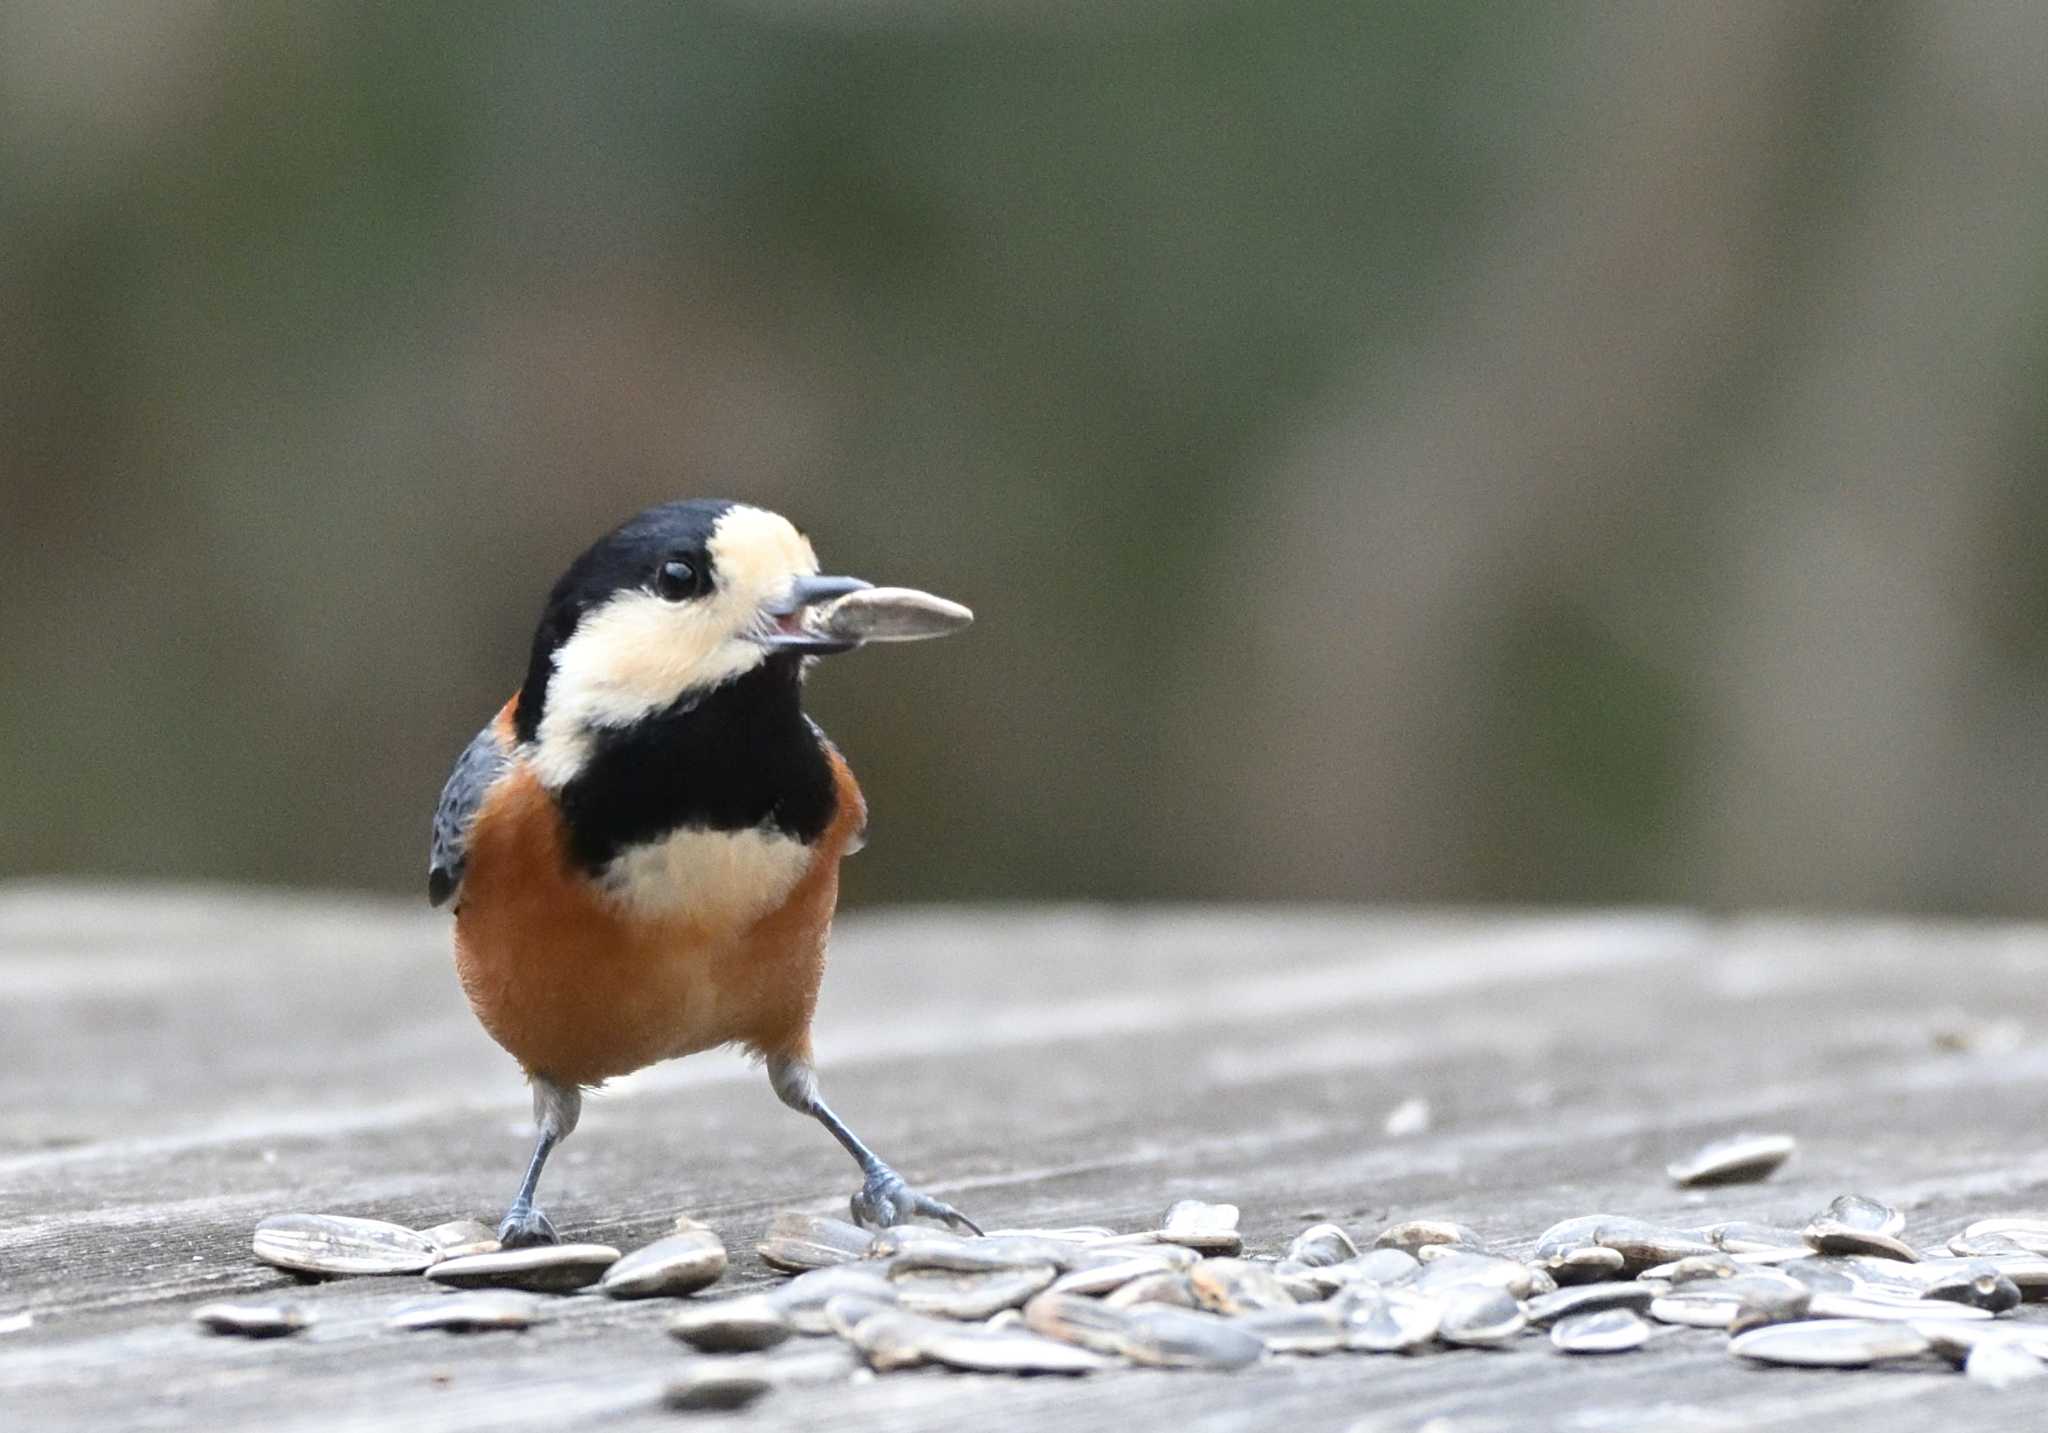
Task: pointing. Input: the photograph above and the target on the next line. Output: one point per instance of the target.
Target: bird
(641, 849)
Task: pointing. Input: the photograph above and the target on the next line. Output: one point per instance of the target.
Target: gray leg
(556, 1108)
(884, 1198)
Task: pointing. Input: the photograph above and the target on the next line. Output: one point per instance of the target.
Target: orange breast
(580, 987)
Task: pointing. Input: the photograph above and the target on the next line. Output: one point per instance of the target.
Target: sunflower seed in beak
(889, 614)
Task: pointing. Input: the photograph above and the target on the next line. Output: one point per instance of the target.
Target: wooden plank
(180, 1064)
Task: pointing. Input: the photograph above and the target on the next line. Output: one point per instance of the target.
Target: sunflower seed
(889, 1341)
(801, 1302)
(844, 1313)
(1587, 1264)
(1299, 1328)
(1083, 1322)
(887, 1245)
(1717, 1303)
(1829, 1343)
(1642, 1245)
(477, 1311)
(798, 1242)
(1855, 1211)
(1569, 1234)
(1694, 1312)
(1105, 1278)
(1304, 1284)
(1211, 1228)
(890, 614)
(1832, 1239)
(1887, 1278)
(1412, 1235)
(968, 1296)
(714, 1384)
(2028, 1271)
(682, 1263)
(2030, 1234)
(1383, 1266)
(1010, 1350)
(1601, 1331)
(2002, 1364)
(1696, 1267)
(1978, 1282)
(1742, 1160)
(910, 1246)
(747, 1323)
(1589, 1298)
(1321, 1245)
(1984, 1246)
(895, 1339)
(251, 1320)
(1459, 1268)
(1236, 1286)
(1853, 1224)
(1770, 1303)
(461, 1236)
(328, 1245)
(1478, 1317)
(547, 1269)
(1156, 1336)
(1186, 1338)
(1820, 1274)
(1392, 1321)
(1889, 1310)
(1169, 1288)
(1773, 1258)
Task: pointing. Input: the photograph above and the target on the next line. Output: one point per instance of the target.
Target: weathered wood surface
(177, 1065)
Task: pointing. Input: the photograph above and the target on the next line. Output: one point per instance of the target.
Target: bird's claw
(525, 1227)
(884, 1200)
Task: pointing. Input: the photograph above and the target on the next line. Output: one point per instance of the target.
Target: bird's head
(678, 601)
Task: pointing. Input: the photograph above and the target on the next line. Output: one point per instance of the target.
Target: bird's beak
(789, 635)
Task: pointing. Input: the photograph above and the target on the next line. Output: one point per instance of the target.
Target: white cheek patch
(638, 654)
(721, 880)
(632, 657)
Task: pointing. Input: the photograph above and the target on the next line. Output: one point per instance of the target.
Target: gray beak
(805, 592)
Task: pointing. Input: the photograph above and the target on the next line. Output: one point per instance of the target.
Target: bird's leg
(883, 1198)
(556, 1108)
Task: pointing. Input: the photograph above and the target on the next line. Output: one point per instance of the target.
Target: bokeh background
(1431, 451)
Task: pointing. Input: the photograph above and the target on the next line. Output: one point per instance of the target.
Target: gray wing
(482, 762)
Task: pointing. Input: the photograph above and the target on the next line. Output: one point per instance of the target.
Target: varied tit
(643, 847)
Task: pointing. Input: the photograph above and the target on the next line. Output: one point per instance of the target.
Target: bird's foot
(884, 1199)
(525, 1227)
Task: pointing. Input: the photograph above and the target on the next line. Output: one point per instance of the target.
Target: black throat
(738, 757)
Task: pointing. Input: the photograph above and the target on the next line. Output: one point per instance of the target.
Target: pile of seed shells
(1845, 1290)
(490, 1287)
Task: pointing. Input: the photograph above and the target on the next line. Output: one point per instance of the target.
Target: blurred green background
(1416, 452)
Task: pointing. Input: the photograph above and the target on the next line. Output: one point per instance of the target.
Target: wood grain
(178, 1064)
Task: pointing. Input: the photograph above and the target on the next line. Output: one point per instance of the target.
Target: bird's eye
(677, 580)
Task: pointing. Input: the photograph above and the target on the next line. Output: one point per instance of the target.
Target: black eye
(677, 579)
